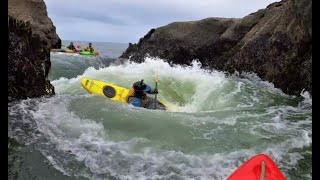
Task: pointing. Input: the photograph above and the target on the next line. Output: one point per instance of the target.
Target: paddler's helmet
(139, 86)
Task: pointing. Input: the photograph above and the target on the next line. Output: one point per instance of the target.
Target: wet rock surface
(31, 35)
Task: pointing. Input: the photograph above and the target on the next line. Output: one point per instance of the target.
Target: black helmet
(139, 86)
(71, 42)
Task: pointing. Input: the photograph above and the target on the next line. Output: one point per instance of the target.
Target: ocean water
(215, 122)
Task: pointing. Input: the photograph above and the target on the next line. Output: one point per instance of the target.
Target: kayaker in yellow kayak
(137, 94)
(71, 46)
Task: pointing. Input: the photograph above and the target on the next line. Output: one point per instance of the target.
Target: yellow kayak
(64, 50)
(115, 92)
(71, 51)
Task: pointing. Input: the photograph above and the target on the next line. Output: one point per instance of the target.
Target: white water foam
(196, 89)
(201, 83)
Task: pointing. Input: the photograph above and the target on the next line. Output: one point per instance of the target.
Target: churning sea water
(215, 122)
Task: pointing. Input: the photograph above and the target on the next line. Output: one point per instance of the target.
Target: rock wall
(275, 43)
(31, 35)
(35, 11)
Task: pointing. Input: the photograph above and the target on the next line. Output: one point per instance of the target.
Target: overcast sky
(128, 20)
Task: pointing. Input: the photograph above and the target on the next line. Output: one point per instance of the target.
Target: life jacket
(139, 89)
(71, 47)
(89, 48)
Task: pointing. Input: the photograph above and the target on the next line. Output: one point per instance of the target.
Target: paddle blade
(258, 167)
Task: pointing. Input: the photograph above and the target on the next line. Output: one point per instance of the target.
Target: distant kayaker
(137, 94)
(71, 46)
(90, 48)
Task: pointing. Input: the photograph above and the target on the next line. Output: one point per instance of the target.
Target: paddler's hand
(155, 91)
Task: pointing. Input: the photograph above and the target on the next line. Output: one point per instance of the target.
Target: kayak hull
(57, 50)
(115, 92)
(257, 166)
(108, 90)
(64, 50)
(87, 53)
(71, 51)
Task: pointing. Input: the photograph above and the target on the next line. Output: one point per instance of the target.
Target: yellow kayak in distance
(64, 50)
(71, 51)
(115, 92)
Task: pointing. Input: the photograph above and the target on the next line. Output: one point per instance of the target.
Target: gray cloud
(127, 20)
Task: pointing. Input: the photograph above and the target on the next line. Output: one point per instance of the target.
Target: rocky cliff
(275, 43)
(31, 34)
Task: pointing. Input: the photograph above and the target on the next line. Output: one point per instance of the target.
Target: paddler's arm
(149, 90)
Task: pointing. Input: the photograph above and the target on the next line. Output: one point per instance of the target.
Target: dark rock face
(28, 62)
(181, 42)
(31, 34)
(35, 11)
(275, 43)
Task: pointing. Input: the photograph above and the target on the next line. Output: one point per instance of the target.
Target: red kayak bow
(259, 167)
